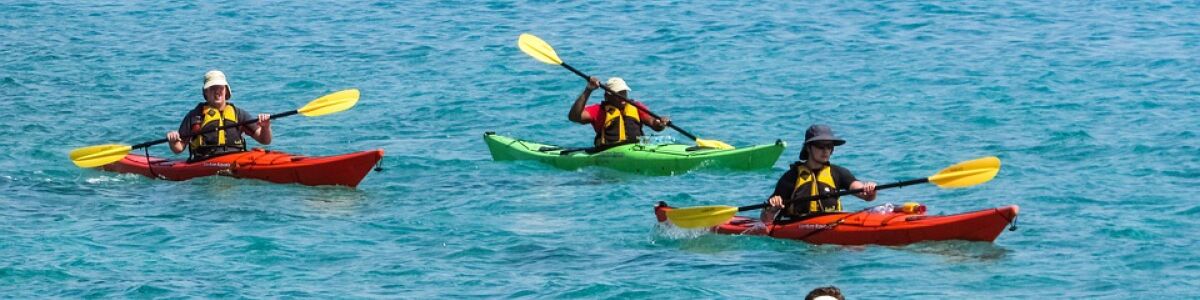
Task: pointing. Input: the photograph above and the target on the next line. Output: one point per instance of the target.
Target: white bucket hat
(216, 77)
(616, 85)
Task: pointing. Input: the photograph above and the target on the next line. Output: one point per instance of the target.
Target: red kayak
(346, 169)
(888, 228)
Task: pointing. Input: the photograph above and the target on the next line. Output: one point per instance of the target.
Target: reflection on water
(960, 251)
(334, 201)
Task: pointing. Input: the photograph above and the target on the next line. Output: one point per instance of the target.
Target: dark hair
(804, 152)
(831, 291)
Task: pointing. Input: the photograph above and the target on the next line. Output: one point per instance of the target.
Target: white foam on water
(670, 231)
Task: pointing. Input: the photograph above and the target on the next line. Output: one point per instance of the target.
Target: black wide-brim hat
(818, 133)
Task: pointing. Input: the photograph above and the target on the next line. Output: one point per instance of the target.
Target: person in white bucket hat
(216, 111)
(615, 120)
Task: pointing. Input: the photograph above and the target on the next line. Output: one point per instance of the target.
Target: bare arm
(868, 187)
(577, 114)
(175, 142)
(768, 213)
(782, 186)
(262, 133)
(656, 123)
(173, 139)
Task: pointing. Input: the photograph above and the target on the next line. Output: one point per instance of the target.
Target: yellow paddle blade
(701, 216)
(967, 173)
(713, 144)
(99, 155)
(538, 48)
(332, 103)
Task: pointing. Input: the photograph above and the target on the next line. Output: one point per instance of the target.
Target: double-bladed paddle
(540, 50)
(99, 155)
(963, 174)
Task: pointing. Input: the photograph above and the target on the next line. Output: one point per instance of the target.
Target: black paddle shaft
(840, 193)
(185, 137)
(671, 124)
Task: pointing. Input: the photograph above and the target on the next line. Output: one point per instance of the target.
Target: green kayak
(664, 159)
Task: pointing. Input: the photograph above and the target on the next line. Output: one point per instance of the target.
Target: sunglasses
(826, 146)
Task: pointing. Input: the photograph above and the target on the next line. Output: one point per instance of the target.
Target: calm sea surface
(1092, 106)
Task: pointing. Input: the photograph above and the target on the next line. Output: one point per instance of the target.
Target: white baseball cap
(616, 85)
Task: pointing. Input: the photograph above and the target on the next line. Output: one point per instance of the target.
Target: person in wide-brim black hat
(813, 175)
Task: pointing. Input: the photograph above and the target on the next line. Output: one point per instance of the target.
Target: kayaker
(814, 174)
(614, 120)
(216, 111)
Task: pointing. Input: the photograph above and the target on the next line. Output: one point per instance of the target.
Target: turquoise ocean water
(1091, 105)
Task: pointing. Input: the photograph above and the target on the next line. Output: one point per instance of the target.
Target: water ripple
(1089, 106)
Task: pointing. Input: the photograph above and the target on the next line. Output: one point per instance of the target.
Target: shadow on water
(960, 250)
(227, 192)
(340, 201)
(335, 200)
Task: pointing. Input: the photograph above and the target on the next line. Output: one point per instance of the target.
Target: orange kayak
(345, 169)
(864, 227)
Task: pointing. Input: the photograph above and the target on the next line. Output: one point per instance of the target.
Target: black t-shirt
(786, 184)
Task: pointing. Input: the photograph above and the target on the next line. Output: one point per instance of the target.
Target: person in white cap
(813, 175)
(216, 111)
(615, 120)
